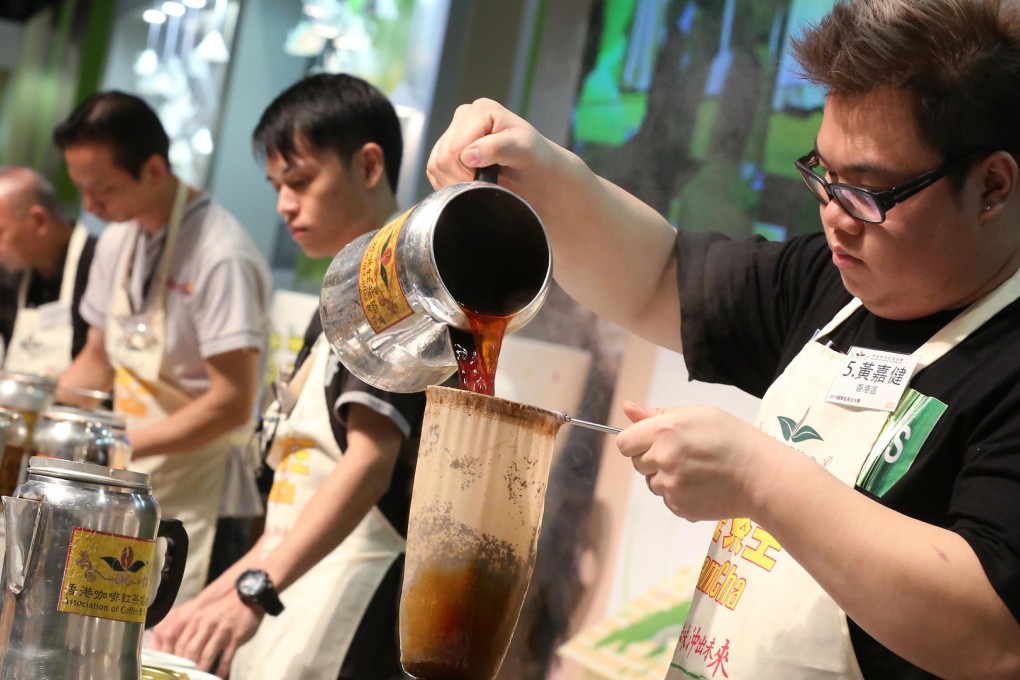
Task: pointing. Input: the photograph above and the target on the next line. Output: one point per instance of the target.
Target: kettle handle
(172, 573)
(490, 173)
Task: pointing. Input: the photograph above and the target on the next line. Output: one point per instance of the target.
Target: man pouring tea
(887, 544)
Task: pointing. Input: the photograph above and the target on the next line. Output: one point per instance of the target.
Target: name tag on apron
(872, 379)
(53, 315)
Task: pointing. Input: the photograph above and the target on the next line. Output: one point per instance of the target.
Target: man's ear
(39, 219)
(154, 170)
(999, 180)
(371, 164)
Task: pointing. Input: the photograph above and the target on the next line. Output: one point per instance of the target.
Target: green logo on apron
(899, 442)
(797, 432)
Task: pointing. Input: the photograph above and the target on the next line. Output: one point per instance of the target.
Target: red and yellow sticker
(382, 299)
(107, 576)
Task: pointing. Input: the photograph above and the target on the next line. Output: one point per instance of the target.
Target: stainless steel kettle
(390, 296)
(81, 575)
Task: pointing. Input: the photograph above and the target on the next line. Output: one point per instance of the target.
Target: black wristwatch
(255, 587)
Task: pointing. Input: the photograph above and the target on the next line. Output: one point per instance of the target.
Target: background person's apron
(240, 496)
(756, 613)
(42, 337)
(187, 485)
(324, 608)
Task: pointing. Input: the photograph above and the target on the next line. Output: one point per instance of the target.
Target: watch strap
(266, 598)
(269, 600)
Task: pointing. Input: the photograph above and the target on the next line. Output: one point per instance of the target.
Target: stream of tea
(477, 351)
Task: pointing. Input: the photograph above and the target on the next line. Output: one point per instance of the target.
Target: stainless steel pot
(81, 572)
(390, 296)
(89, 436)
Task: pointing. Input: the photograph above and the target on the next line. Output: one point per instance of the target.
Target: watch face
(251, 583)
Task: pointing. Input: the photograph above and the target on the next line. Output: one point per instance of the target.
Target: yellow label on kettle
(107, 576)
(382, 299)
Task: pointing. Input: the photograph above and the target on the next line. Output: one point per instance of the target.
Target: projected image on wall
(696, 107)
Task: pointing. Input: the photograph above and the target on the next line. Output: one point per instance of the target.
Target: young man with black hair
(328, 568)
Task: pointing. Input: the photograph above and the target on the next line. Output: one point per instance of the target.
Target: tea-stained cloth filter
(476, 513)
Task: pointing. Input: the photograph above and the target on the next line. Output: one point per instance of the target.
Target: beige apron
(310, 639)
(756, 613)
(187, 485)
(42, 337)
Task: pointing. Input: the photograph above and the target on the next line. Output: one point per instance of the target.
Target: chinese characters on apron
(42, 337)
(324, 607)
(756, 613)
(187, 484)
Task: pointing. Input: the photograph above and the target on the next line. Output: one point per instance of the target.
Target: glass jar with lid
(13, 438)
(26, 393)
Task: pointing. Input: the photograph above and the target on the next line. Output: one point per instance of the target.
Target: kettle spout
(21, 516)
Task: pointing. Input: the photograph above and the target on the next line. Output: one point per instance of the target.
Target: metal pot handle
(490, 173)
(172, 574)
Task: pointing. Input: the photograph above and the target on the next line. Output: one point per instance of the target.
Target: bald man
(44, 265)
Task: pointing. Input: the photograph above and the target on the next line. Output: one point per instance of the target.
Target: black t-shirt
(42, 291)
(749, 307)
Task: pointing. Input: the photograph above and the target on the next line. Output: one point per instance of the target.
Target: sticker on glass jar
(106, 576)
(382, 299)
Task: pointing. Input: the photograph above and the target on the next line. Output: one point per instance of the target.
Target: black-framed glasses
(869, 205)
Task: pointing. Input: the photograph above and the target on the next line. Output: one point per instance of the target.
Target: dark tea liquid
(477, 351)
(10, 467)
(11, 455)
(464, 615)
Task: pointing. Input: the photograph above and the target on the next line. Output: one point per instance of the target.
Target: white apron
(42, 337)
(323, 608)
(756, 613)
(187, 485)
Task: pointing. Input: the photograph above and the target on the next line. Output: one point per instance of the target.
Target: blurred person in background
(177, 310)
(45, 260)
(328, 569)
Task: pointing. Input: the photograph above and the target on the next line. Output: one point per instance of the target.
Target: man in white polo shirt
(177, 306)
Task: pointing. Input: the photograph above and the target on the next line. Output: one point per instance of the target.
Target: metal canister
(86, 436)
(82, 575)
(389, 298)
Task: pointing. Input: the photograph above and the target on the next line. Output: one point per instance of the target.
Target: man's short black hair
(121, 121)
(335, 112)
